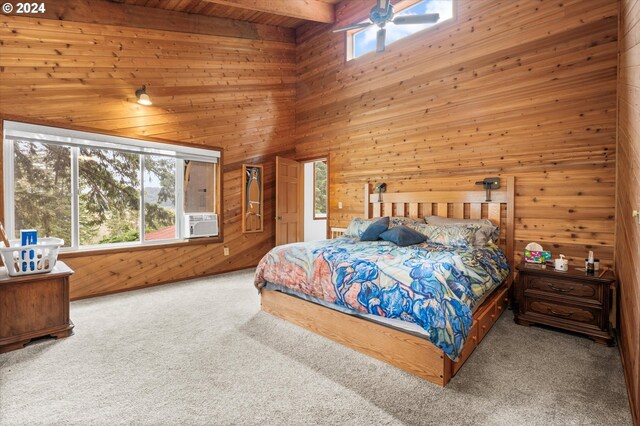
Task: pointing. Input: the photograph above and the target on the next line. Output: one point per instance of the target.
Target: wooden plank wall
(522, 87)
(628, 197)
(237, 93)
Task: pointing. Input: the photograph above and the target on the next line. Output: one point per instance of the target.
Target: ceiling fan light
(380, 40)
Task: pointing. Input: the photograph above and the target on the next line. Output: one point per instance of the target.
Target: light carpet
(201, 352)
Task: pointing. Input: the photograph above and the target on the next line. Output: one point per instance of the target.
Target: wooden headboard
(456, 204)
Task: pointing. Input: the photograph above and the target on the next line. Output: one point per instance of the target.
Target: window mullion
(214, 190)
(75, 199)
(179, 198)
(142, 218)
(9, 206)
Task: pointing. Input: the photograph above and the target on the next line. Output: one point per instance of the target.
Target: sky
(365, 40)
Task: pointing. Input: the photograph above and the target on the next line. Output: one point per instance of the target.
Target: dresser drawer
(578, 315)
(580, 291)
(485, 322)
(469, 346)
(502, 303)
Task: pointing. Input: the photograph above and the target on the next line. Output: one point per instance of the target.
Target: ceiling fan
(381, 14)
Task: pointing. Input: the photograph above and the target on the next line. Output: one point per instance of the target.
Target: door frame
(312, 159)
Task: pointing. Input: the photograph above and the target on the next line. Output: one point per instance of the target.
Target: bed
(422, 308)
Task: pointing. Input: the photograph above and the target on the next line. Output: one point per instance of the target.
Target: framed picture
(252, 199)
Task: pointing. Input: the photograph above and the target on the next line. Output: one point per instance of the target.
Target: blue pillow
(373, 231)
(403, 236)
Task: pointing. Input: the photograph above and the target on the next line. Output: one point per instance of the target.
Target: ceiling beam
(310, 10)
(115, 13)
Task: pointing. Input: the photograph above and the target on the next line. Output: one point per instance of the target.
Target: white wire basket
(31, 259)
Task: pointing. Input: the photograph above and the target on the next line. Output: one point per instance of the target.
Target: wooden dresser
(33, 306)
(571, 300)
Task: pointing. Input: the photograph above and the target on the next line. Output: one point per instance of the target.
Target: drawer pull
(560, 290)
(561, 314)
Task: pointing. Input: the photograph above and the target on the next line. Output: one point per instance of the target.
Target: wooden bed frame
(404, 350)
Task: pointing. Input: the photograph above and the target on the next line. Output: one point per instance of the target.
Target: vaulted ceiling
(282, 13)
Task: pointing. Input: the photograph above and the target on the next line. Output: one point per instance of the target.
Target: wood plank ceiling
(211, 8)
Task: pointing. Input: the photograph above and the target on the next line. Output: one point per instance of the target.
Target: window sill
(141, 247)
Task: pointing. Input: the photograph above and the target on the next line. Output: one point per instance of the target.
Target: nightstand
(34, 306)
(571, 300)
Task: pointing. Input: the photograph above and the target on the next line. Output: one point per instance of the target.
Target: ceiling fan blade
(353, 27)
(380, 37)
(429, 18)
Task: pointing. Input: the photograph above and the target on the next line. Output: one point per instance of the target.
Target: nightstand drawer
(579, 315)
(566, 288)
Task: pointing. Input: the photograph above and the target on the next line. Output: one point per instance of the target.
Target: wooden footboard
(413, 354)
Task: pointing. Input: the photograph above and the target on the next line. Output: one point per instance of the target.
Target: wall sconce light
(380, 188)
(143, 98)
(488, 184)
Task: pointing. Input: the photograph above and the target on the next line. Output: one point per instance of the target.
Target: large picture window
(364, 41)
(95, 190)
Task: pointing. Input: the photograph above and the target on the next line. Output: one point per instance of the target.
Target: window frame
(325, 215)
(399, 7)
(7, 211)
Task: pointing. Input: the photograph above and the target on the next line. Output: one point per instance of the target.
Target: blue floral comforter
(432, 285)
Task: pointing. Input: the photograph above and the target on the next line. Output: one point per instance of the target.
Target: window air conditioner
(200, 225)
